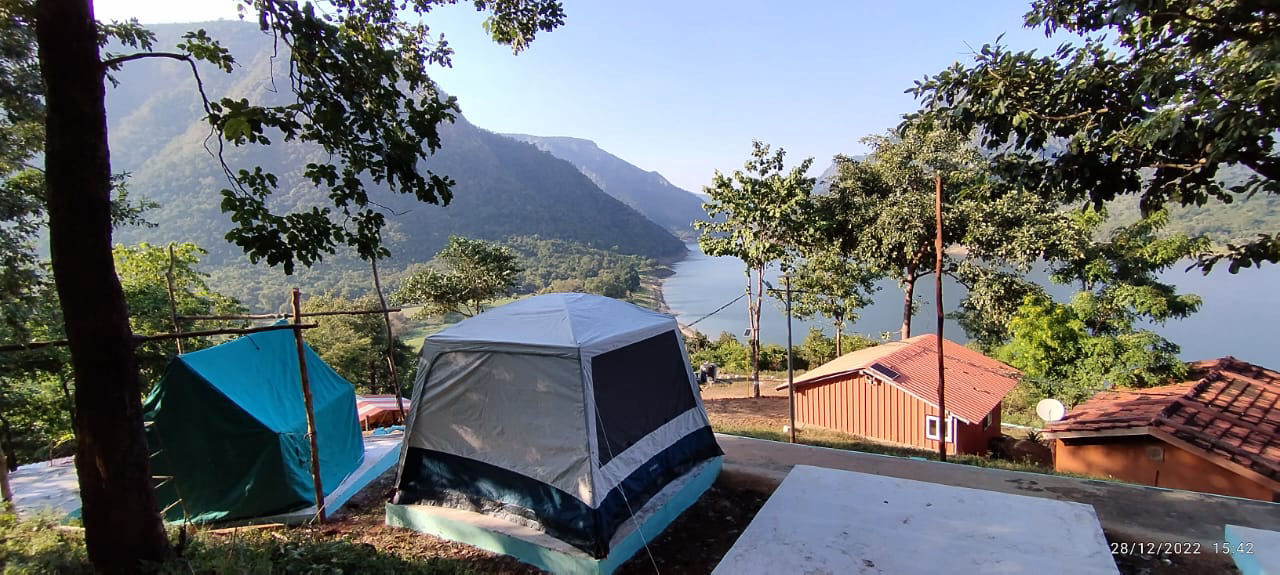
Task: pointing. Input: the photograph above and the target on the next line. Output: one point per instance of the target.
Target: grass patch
(837, 440)
(37, 545)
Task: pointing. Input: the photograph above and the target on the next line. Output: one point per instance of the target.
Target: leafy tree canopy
(880, 213)
(355, 345)
(1155, 99)
(463, 276)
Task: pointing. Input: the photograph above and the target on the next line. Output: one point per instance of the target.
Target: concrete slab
(546, 552)
(46, 487)
(831, 521)
(1255, 551)
(1129, 512)
(53, 486)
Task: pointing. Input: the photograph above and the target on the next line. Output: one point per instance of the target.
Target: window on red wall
(931, 428)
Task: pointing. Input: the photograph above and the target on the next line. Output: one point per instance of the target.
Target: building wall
(864, 406)
(1149, 461)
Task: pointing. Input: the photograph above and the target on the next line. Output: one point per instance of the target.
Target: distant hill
(504, 187)
(648, 192)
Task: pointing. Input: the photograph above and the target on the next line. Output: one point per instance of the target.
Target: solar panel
(883, 371)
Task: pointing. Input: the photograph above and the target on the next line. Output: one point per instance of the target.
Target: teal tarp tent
(229, 425)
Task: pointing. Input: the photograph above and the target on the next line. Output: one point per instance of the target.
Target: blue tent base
(545, 552)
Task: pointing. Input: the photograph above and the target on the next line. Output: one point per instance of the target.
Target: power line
(718, 310)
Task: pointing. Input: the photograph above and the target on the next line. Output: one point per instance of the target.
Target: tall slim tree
(830, 284)
(753, 214)
(1154, 99)
(880, 213)
(465, 275)
(359, 74)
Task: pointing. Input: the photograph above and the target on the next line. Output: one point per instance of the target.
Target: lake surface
(1240, 315)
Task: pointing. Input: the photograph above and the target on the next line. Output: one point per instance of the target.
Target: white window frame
(987, 421)
(933, 419)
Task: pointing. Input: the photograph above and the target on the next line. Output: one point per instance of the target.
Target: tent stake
(306, 398)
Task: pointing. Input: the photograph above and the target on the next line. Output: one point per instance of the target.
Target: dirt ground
(700, 537)
(694, 543)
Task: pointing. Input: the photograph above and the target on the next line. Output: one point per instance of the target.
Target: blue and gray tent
(566, 413)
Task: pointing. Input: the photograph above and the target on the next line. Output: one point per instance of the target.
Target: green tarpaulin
(229, 425)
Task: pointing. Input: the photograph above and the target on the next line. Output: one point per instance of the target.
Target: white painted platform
(1255, 551)
(53, 487)
(46, 487)
(827, 521)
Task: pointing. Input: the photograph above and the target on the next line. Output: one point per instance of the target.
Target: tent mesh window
(638, 388)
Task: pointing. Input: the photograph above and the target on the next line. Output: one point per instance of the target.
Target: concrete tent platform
(831, 521)
(1255, 551)
(53, 487)
(548, 553)
(46, 487)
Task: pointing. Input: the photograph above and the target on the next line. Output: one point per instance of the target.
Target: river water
(1240, 315)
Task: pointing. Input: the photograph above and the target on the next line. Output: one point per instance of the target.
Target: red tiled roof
(378, 408)
(975, 383)
(1232, 411)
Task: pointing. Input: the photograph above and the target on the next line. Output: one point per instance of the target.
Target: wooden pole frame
(306, 399)
(943, 427)
(173, 301)
(391, 342)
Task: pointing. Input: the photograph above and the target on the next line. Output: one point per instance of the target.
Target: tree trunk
(910, 289)
(839, 346)
(122, 526)
(755, 333)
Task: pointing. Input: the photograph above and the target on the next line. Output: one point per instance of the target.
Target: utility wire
(718, 310)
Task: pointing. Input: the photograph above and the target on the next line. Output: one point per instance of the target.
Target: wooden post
(5, 491)
(791, 380)
(391, 342)
(173, 302)
(306, 398)
(937, 275)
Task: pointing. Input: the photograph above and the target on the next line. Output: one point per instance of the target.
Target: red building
(890, 393)
(1219, 433)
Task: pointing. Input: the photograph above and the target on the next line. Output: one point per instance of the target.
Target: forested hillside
(503, 187)
(650, 193)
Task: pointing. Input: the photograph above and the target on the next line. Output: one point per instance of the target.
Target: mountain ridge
(503, 187)
(647, 191)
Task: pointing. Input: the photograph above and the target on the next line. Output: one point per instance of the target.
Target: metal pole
(943, 436)
(306, 399)
(791, 382)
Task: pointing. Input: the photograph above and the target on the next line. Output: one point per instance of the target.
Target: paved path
(1131, 512)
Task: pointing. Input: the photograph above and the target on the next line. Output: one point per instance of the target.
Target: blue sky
(682, 87)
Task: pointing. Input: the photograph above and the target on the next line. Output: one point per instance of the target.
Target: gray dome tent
(562, 412)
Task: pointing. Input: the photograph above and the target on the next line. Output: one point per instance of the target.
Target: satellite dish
(1050, 409)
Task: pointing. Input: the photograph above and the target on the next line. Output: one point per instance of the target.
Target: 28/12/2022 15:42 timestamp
(1180, 548)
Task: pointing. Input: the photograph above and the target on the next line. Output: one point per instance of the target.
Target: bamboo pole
(306, 399)
(282, 315)
(937, 275)
(139, 339)
(391, 342)
(791, 379)
(173, 302)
